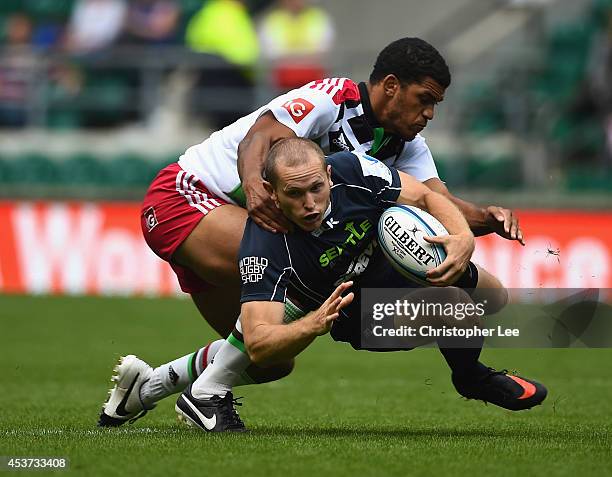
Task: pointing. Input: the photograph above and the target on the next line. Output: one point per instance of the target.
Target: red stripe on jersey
(349, 91)
(342, 89)
(317, 84)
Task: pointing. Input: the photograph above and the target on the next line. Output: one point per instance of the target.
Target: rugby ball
(400, 234)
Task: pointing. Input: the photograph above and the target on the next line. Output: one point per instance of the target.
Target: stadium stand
(551, 101)
(124, 85)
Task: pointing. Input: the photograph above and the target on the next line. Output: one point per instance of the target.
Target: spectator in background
(295, 37)
(151, 21)
(20, 69)
(18, 31)
(224, 30)
(95, 25)
(16, 66)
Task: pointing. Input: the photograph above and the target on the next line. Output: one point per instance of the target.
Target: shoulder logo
(298, 108)
(373, 167)
(252, 269)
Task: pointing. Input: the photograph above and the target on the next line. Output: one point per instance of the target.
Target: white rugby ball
(400, 234)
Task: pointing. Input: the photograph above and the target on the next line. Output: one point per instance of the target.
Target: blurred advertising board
(80, 248)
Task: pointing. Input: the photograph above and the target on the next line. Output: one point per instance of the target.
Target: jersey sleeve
(308, 112)
(264, 265)
(416, 160)
(358, 169)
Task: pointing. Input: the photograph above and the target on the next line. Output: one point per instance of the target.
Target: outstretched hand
(329, 311)
(504, 223)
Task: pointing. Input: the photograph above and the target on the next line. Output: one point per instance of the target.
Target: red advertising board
(563, 249)
(78, 248)
(97, 248)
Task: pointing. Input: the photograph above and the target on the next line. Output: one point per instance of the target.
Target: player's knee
(492, 300)
(465, 311)
(490, 292)
(257, 358)
(497, 299)
(457, 297)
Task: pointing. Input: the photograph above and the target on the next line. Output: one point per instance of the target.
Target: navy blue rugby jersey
(309, 265)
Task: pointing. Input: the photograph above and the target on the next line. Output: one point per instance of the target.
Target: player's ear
(391, 85)
(270, 190)
(268, 187)
(329, 175)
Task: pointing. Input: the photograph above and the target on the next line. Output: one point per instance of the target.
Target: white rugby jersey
(334, 112)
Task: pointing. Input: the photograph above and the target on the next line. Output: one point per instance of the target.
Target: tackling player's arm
(459, 244)
(483, 220)
(268, 340)
(303, 112)
(252, 152)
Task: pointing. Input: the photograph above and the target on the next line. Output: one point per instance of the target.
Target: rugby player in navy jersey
(195, 210)
(335, 204)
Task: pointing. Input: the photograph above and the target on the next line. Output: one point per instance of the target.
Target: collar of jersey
(367, 106)
(329, 208)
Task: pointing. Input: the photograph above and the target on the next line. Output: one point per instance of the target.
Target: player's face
(302, 193)
(410, 107)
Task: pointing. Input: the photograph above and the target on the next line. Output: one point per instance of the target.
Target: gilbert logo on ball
(400, 233)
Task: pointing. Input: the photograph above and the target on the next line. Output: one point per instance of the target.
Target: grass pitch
(341, 412)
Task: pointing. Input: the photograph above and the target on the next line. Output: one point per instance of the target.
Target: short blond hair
(291, 152)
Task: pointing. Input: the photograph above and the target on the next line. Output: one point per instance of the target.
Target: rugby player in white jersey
(195, 211)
